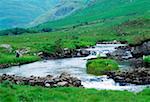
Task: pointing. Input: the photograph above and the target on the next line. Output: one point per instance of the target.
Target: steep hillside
(61, 10)
(20, 12)
(104, 10)
(25, 13)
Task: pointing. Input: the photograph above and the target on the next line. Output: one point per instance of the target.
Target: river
(76, 67)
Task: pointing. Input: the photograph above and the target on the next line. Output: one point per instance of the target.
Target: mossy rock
(101, 66)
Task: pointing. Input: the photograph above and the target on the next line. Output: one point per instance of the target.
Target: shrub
(7, 83)
(147, 61)
(100, 66)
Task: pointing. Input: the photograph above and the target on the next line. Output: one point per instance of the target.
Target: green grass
(146, 59)
(10, 59)
(39, 94)
(100, 66)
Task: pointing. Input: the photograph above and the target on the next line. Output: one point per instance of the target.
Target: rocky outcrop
(66, 53)
(6, 47)
(136, 51)
(140, 50)
(140, 76)
(136, 62)
(122, 53)
(64, 80)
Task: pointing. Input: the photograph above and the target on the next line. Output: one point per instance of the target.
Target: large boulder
(140, 76)
(7, 47)
(140, 50)
(122, 52)
(136, 62)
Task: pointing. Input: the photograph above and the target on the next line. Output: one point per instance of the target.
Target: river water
(76, 67)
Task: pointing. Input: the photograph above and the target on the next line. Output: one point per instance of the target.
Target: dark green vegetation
(100, 66)
(147, 59)
(16, 31)
(14, 93)
(124, 21)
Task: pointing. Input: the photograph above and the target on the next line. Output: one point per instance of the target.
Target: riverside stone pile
(64, 80)
(140, 76)
(66, 53)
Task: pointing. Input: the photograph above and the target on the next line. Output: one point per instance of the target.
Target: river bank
(63, 94)
(63, 80)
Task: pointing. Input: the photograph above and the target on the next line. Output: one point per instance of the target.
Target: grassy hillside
(23, 13)
(61, 10)
(14, 13)
(104, 10)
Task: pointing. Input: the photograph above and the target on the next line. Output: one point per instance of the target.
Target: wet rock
(136, 62)
(140, 76)
(64, 80)
(140, 50)
(111, 42)
(65, 53)
(122, 53)
(47, 85)
(64, 83)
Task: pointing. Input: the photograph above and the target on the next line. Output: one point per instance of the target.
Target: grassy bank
(7, 60)
(100, 66)
(39, 94)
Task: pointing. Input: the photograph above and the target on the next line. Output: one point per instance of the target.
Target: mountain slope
(102, 10)
(61, 10)
(20, 12)
(24, 13)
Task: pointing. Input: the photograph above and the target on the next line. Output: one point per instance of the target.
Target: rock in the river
(136, 62)
(122, 53)
(139, 76)
(140, 50)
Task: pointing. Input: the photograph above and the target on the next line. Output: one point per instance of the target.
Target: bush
(100, 66)
(7, 84)
(147, 61)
